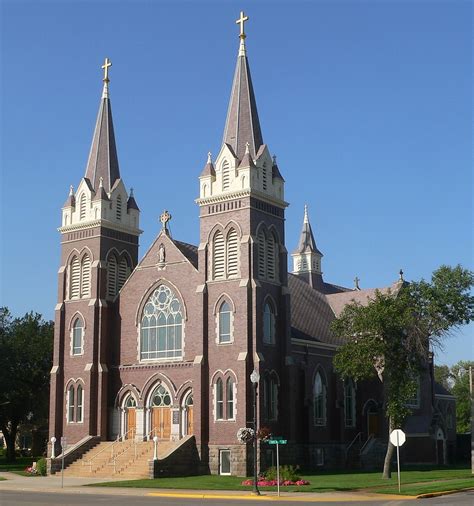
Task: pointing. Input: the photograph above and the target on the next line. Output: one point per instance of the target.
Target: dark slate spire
(103, 161)
(242, 124)
(307, 243)
(131, 202)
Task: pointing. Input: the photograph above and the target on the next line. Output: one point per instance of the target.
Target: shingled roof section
(337, 301)
(311, 314)
(242, 124)
(103, 160)
(189, 251)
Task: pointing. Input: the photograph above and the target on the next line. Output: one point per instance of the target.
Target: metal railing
(358, 437)
(112, 448)
(364, 446)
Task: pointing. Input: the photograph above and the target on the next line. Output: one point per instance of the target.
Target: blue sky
(367, 105)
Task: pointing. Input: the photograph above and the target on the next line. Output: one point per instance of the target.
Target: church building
(164, 345)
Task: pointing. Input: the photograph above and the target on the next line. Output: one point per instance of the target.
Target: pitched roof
(311, 315)
(307, 243)
(337, 301)
(103, 161)
(209, 169)
(189, 251)
(242, 123)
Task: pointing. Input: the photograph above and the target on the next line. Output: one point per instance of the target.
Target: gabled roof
(242, 123)
(189, 251)
(103, 161)
(311, 314)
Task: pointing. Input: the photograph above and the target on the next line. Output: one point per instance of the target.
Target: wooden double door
(161, 422)
(131, 423)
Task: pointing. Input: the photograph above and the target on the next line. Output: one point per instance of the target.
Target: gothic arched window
(82, 207)
(268, 323)
(75, 278)
(160, 397)
(219, 399)
(225, 175)
(225, 330)
(270, 397)
(161, 333)
(262, 261)
(229, 387)
(218, 271)
(85, 276)
(349, 403)
(319, 396)
(79, 403)
(123, 272)
(70, 404)
(77, 341)
(272, 258)
(112, 275)
(232, 253)
(118, 208)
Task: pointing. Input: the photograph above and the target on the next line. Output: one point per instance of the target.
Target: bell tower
(99, 249)
(243, 261)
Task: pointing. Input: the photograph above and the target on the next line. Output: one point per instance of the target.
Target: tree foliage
(391, 336)
(25, 362)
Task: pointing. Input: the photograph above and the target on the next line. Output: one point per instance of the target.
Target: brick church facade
(165, 345)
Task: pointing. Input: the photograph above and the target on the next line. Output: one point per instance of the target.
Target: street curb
(335, 498)
(443, 492)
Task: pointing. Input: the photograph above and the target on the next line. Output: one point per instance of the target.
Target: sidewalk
(73, 485)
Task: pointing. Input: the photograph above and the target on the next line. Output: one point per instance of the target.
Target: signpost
(63, 449)
(398, 438)
(277, 441)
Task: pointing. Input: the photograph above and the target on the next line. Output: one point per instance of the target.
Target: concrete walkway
(73, 485)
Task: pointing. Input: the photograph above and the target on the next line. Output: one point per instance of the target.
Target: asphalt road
(14, 498)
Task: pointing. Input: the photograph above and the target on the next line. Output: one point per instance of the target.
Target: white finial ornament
(131, 192)
(274, 159)
(101, 182)
(306, 220)
(247, 148)
(242, 19)
(71, 191)
(209, 157)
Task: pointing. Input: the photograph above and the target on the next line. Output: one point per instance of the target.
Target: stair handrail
(353, 442)
(113, 459)
(111, 447)
(369, 439)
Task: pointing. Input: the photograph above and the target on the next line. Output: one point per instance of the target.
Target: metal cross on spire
(243, 18)
(105, 66)
(165, 217)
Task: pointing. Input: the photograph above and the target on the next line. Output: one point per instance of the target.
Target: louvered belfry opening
(218, 256)
(85, 276)
(232, 254)
(75, 278)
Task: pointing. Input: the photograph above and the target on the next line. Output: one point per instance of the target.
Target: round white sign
(397, 437)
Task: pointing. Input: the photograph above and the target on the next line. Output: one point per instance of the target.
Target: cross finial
(356, 283)
(243, 18)
(165, 217)
(401, 275)
(105, 66)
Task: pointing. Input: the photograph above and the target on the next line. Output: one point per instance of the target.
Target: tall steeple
(242, 124)
(307, 257)
(103, 161)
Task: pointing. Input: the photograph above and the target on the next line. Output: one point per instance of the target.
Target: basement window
(224, 462)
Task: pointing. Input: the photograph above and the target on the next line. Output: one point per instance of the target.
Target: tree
(391, 336)
(25, 362)
(460, 390)
(442, 375)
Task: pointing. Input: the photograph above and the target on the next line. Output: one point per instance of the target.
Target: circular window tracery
(161, 398)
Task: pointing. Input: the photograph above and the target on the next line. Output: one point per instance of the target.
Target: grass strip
(319, 482)
(430, 487)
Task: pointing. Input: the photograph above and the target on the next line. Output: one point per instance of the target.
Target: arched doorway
(372, 419)
(187, 411)
(160, 405)
(130, 417)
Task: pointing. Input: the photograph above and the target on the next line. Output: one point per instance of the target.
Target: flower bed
(274, 483)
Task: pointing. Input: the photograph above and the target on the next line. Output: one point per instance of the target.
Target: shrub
(287, 473)
(41, 467)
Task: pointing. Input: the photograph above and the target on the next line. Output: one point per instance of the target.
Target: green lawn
(430, 487)
(319, 482)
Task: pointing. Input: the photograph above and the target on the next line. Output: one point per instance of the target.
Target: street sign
(397, 437)
(277, 441)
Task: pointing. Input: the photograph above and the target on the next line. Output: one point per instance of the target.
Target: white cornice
(99, 223)
(224, 197)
